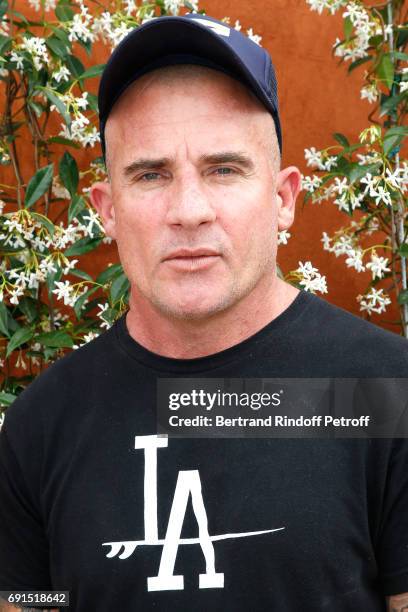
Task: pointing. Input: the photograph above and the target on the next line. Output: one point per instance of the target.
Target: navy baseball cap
(189, 39)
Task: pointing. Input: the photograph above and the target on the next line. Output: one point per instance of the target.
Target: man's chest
(158, 519)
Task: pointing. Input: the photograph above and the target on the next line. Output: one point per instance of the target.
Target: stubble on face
(177, 300)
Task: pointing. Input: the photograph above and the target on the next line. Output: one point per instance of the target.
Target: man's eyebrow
(145, 164)
(227, 157)
(224, 157)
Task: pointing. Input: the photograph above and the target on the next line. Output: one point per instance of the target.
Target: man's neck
(186, 339)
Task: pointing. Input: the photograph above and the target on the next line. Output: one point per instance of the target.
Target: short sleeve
(24, 558)
(392, 552)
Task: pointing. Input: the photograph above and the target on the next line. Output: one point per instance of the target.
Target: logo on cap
(218, 28)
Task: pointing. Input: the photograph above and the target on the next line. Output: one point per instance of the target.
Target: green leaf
(38, 185)
(393, 137)
(109, 273)
(92, 102)
(55, 339)
(61, 34)
(21, 336)
(6, 399)
(76, 206)
(348, 28)
(341, 139)
(81, 274)
(52, 278)
(403, 250)
(20, 16)
(357, 172)
(403, 297)
(119, 288)
(7, 324)
(45, 222)
(63, 141)
(390, 103)
(54, 99)
(385, 70)
(28, 306)
(3, 7)
(80, 301)
(84, 245)
(94, 71)
(358, 62)
(57, 47)
(87, 45)
(401, 56)
(5, 44)
(64, 13)
(74, 65)
(37, 107)
(68, 171)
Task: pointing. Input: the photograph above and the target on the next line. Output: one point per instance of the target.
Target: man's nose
(189, 202)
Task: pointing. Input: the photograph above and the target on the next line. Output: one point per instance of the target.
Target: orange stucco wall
(317, 98)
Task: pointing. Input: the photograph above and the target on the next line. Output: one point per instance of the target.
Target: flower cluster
(331, 5)
(310, 278)
(375, 300)
(365, 26)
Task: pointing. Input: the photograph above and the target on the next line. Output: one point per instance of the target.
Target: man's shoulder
(65, 379)
(357, 345)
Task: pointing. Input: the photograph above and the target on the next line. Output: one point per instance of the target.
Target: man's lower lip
(192, 263)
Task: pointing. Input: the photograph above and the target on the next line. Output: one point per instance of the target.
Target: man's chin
(192, 310)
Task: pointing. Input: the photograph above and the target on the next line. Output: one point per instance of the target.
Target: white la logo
(188, 481)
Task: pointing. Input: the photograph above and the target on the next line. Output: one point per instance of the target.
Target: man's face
(192, 201)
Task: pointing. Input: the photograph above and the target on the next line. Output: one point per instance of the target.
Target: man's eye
(224, 171)
(149, 176)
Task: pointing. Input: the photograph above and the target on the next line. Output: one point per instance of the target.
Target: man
(93, 501)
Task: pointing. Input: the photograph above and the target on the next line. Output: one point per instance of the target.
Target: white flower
(355, 260)
(378, 266)
(369, 92)
(64, 291)
(330, 162)
(382, 195)
(15, 294)
(47, 266)
(403, 86)
(15, 57)
(37, 48)
(48, 6)
(254, 37)
(93, 220)
(80, 28)
(374, 301)
(311, 183)
(70, 265)
(90, 336)
(326, 242)
(331, 5)
(173, 6)
(314, 158)
(283, 237)
(312, 280)
(62, 74)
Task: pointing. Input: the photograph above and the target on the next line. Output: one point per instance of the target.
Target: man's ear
(289, 182)
(101, 198)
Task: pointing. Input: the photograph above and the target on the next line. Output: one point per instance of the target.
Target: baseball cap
(189, 39)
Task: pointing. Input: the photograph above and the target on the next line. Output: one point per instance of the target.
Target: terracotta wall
(317, 98)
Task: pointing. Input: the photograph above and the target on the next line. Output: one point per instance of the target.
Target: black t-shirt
(94, 502)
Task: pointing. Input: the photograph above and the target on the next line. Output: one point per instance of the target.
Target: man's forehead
(158, 91)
